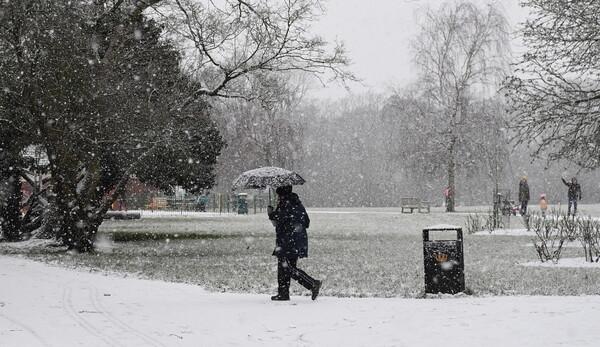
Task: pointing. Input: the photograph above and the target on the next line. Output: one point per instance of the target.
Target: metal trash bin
(242, 203)
(443, 259)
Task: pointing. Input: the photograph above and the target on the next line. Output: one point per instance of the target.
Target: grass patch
(127, 236)
(367, 253)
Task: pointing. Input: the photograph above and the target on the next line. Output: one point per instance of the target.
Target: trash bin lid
(443, 227)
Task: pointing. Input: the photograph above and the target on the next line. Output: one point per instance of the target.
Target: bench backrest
(160, 201)
(410, 201)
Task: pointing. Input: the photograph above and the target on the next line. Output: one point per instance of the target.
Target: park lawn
(364, 252)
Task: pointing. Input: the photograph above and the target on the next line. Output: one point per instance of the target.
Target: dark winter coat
(574, 190)
(523, 191)
(291, 221)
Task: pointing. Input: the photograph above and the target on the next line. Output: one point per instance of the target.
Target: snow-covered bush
(480, 222)
(550, 237)
(589, 236)
(568, 226)
(552, 232)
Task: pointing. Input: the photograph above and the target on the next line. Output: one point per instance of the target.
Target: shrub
(480, 222)
(552, 232)
(568, 226)
(550, 237)
(589, 236)
(473, 223)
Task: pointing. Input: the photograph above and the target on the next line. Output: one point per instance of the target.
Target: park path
(43, 305)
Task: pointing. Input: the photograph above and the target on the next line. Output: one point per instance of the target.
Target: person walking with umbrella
(290, 220)
(291, 243)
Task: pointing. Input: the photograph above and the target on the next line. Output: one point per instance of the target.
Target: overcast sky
(377, 35)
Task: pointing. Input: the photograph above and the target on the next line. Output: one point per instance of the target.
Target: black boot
(315, 289)
(281, 297)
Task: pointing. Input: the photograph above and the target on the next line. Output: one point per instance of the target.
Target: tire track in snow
(27, 328)
(85, 309)
(84, 323)
(95, 301)
(67, 307)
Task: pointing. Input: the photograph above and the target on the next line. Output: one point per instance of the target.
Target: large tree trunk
(452, 161)
(10, 212)
(80, 209)
(79, 229)
(74, 185)
(451, 176)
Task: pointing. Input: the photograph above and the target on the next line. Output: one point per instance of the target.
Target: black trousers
(286, 270)
(524, 207)
(572, 202)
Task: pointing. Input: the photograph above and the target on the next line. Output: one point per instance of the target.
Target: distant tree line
(372, 149)
(111, 90)
(469, 122)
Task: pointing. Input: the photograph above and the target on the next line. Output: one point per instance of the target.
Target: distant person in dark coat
(291, 221)
(523, 195)
(574, 194)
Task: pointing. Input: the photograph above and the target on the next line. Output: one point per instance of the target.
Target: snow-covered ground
(509, 232)
(41, 305)
(578, 262)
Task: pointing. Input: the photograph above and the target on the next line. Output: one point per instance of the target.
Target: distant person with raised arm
(574, 194)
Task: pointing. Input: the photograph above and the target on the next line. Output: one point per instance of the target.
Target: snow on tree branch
(227, 42)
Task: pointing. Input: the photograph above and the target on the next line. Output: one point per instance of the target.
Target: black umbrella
(267, 177)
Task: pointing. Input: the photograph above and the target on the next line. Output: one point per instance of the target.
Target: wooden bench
(410, 203)
(157, 204)
(124, 215)
(413, 203)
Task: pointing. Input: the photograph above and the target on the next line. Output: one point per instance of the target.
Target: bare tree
(417, 145)
(269, 133)
(344, 149)
(555, 91)
(230, 43)
(460, 50)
